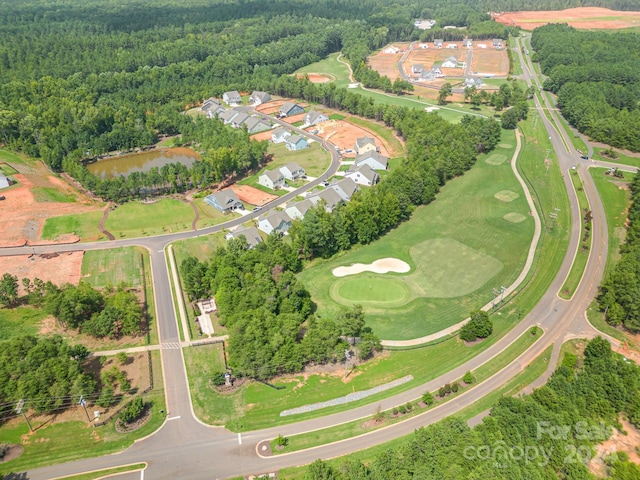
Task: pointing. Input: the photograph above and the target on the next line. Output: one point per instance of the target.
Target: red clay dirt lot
(58, 268)
(344, 134)
(583, 17)
(387, 63)
(319, 78)
(490, 60)
(22, 216)
(252, 195)
(258, 137)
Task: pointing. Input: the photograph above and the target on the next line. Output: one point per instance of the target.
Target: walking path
(105, 214)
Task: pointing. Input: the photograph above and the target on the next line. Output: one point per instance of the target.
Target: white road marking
(173, 418)
(239, 439)
(142, 474)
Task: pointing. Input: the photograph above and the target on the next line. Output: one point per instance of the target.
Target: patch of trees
(437, 152)
(45, 372)
(619, 297)
(596, 78)
(584, 402)
(479, 326)
(269, 314)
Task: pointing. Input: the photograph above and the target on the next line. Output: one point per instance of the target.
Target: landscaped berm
(432, 270)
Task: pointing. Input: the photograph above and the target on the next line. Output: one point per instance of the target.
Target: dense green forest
(546, 435)
(596, 78)
(619, 297)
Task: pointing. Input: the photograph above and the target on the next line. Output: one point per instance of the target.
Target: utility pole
(83, 403)
(20, 410)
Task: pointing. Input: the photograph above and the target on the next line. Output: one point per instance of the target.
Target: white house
(210, 103)
(313, 117)
(373, 159)
(450, 62)
(345, 188)
(279, 135)
(468, 43)
(4, 181)
(232, 97)
(298, 210)
(496, 42)
(251, 235)
(452, 45)
(365, 144)
(296, 142)
(258, 98)
(437, 42)
(362, 175)
(391, 49)
(272, 179)
(224, 200)
(276, 221)
(292, 171)
(215, 111)
(330, 198)
(473, 82)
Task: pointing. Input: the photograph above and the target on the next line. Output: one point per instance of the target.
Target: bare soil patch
(344, 134)
(12, 452)
(252, 195)
(490, 61)
(22, 216)
(583, 17)
(428, 56)
(294, 118)
(58, 268)
(259, 137)
(385, 64)
(319, 78)
(619, 442)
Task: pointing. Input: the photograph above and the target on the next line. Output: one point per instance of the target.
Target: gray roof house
(314, 117)
(279, 135)
(329, 196)
(4, 181)
(272, 179)
(373, 159)
(215, 112)
(210, 103)
(345, 188)
(292, 171)
(224, 200)
(239, 120)
(450, 62)
(437, 42)
(365, 144)
(258, 98)
(417, 68)
(497, 42)
(363, 175)
(428, 75)
(296, 142)
(473, 82)
(256, 124)
(228, 116)
(468, 43)
(251, 235)
(232, 97)
(276, 221)
(289, 108)
(298, 210)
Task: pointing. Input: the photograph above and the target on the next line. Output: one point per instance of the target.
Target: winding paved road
(185, 448)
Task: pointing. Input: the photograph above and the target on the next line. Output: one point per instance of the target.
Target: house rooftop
(250, 233)
(375, 155)
(364, 170)
(274, 175)
(362, 141)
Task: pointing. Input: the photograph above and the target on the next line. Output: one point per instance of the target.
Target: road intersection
(186, 448)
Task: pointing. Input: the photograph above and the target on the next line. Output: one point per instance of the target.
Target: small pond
(142, 162)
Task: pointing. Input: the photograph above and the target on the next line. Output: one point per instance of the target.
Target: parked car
(2, 197)
(584, 157)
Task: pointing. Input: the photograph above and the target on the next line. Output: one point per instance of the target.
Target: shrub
(480, 326)
(468, 378)
(427, 398)
(106, 397)
(395, 411)
(447, 388)
(441, 392)
(455, 387)
(409, 406)
(123, 358)
(402, 409)
(218, 379)
(132, 410)
(282, 441)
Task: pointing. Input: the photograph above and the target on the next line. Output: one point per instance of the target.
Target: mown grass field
(19, 321)
(330, 67)
(621, 158)
(85, 225)
(45, 194)
(136, 219)
(113, 266)
(459, 248)
(209, 216)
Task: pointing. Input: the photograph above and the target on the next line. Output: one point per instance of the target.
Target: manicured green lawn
(106, 472)
(12, 157)
(330, 67)
(85, 225)
(209, 215)
(457, 255)
(136, 219)
(200, 247)
(622, 158)
(74, 440)
(315, 159)
(113, 266)
(18, 321)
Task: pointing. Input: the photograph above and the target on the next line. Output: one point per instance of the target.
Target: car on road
(584, 157)
(257, 208)
(325, 183)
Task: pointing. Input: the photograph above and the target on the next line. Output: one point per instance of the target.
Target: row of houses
(235, 117)
(233, 98)
(468, 43)
(275, 179)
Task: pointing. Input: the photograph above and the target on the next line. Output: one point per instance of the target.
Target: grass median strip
(105, 472)
(386, 418)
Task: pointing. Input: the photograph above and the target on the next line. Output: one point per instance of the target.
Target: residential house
(450, 62)
(363, 175)
(215, 112)
(228, 116)
(289, 109)
(468, 43)
(496, 42)
(272, 179)
(292, 171)
(365, 144)
(482, 45)
(437, 71)
(391, 49)
(298, 210)
(251, 235)
(239, 120)
(296, 142)
(231, 98)
(209, 103)
(314, 117)
(258, 98)
(224, 200)
(374, 159)
(473, 82)
(4, 181)
(427, 75)
(274, 222)
(345, 188)
(437, 42)
(279, 135)
(452, 45)
(330, 198)
(424, 45)
(256, 124)
(417, 68)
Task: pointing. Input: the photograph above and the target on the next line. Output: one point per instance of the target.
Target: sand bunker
(384, 265)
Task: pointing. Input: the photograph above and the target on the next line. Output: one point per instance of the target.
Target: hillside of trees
(548, 434)
(597, 80)
(619, 297)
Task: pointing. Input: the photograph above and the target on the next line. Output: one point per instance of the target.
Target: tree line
(550, 433)
(596, 79)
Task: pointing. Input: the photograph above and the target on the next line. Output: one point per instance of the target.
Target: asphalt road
(185, 448)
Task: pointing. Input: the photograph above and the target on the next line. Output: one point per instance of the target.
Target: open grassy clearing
(12, 157)
(315, 159)
(360, 426)
(19, 321)
(113, 266)
(106, 472)
(457, 256)
(46, 194)
(622, 158)
(136, 219)
(73, 440)
(210, 216)
(582, 255)
(85, 225)
(331, 67)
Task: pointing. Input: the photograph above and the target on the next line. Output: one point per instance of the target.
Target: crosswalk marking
(171, 346)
